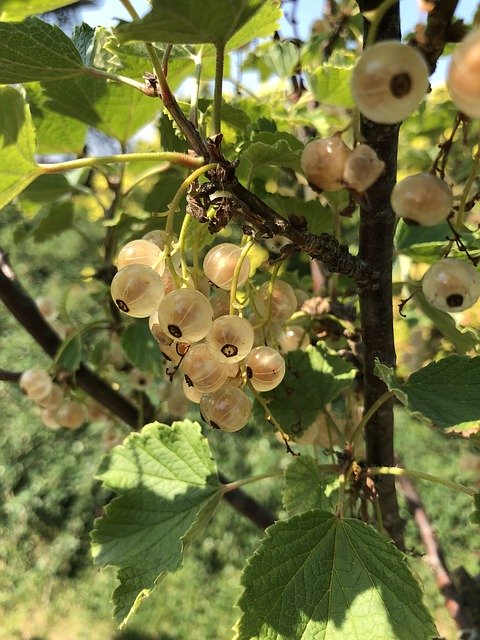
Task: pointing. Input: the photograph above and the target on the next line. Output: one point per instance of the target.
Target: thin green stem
(196, 90)
(100, 73)
(236, 275)
(181, 244)
(377, 19)
(268, 415)
(419, 475)
(466, 189)
(217, 92)
(231, 486)
(373, 409)
(122, 158)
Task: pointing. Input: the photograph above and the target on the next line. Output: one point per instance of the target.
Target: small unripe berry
(422, 199)
(362, 168)
(323, 162)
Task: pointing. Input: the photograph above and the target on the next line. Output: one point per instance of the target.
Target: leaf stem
(373, 409)
(398, 471)
(122, 158)
(231, 486)
(100, 73)
(217, 92)
(377, 19)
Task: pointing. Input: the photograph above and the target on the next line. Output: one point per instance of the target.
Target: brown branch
(10, 376)
(454, 603)
(24, 309)
(377, 226)
(439, 31)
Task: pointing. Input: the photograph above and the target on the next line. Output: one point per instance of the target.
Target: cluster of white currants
(330, 165)
(55, 409)
(217, 352)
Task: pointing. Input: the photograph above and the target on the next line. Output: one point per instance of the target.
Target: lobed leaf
(304, 487)
(319, 577)
(272, 149)
(168, 489)
(16, 10)
(141, 348)
(444, 392)
(35, 50)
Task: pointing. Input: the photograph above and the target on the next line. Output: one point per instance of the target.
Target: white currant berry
(227, 409)
(362, 168)
(137, 290)
(47, 416)
(71, 414)
(36, 383)
(265, 368)
(54, 398)
(185, 315)
(293, 338)
(463, 78)
(174, 352)
(193, 394)
(169, 283)
(220, 262)
(283, 302)
(95, 412)
(389, 81)
(202, 370)
(422, 199)
(451, 285)
(141, 252)
(47, 307)
(230, 338)
(323, 162)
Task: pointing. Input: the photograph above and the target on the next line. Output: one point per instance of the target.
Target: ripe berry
(323, 162)
(292, 338)
(185, 315)
(463, 79)
(71, 414)
(141, 252)
(227, 409)
(48, 308)
(389, 82)
(220, 262)
(362, 168)
(265, 368)
(202, 370)
(36, 383)
(54, 398)
(230, 338)
(451, 285)
(422, 199)
(137, 290)
(283, 300)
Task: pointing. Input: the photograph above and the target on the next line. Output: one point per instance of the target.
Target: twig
(435, 558)
(10, 376)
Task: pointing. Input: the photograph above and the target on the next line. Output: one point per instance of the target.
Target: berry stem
(398, 471)
(460, 224)
(371, 411)
(231, 486)
(122, 158)
(236, 275)
(268, 415)
(181, 244)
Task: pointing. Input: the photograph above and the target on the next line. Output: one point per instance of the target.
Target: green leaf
(83, 37)
(463, 339)
(318, 577)
(162, 192)
(168, 489)
(313, 378)
(35, 50)
(262, 24)
(53, 220)
(69, 355)
(190, 21)
(15, 10)
(17, 145)
(141, 348)
(319, 218)
(407, 235)
(272, 149)
(444, 392)
(305, 488)
(55, 133)
(47, 188)
(281, 57)
(431, 252)
(330, 84)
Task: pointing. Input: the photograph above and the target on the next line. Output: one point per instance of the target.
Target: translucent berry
(463, 78)
(48, 308)
(185, 315)
(54, 398)
(71, 414)
(422, 199)
(230, 338)
(193, 394)
(389, 82)
(220, 262)
(265, 368)
(174, 352)
(202, 370)
(36, 383)
(283, 300)
(227, 409)
(451, 285)
(292, 338)
(159, 237)
(47, 416)
(140, 252)
(362, 168)
(323, 162)
(137, 290)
